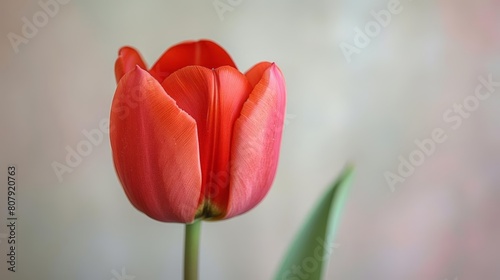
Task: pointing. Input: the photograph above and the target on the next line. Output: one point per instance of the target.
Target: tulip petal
(203, 53)
(155, 149)
(254, 75)
(127, 59)
(256, 142)
(214, 98)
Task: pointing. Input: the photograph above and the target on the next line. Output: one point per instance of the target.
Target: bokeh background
(368, 107)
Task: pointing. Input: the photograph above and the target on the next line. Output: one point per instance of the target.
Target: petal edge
(202, 53)
(128, 58)
(155, 149)
(256, 143)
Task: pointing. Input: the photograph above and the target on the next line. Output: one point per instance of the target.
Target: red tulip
(193, 137)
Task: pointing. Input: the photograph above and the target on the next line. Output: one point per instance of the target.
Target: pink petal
(127, 59)
(256, 142)
(214, 98)
(254, 75)
(155, 149)
(202, 53)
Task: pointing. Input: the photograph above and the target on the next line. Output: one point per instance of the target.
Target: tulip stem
(191, 249)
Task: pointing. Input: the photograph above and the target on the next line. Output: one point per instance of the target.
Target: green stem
(191, 248)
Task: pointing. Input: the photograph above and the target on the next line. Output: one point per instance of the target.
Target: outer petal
(254, 75)
(203, 53)
(256, 142)
(127, 59)
(214, 98)
(155, 149)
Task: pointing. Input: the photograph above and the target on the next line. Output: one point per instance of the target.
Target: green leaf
(308, 255)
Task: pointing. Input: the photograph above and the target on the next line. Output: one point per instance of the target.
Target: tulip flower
(193, 137)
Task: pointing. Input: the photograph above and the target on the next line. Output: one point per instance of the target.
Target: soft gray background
(441, 223)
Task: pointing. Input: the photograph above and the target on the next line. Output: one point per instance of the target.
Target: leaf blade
(308, 255)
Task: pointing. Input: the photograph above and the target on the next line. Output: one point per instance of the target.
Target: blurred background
(366, 80)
